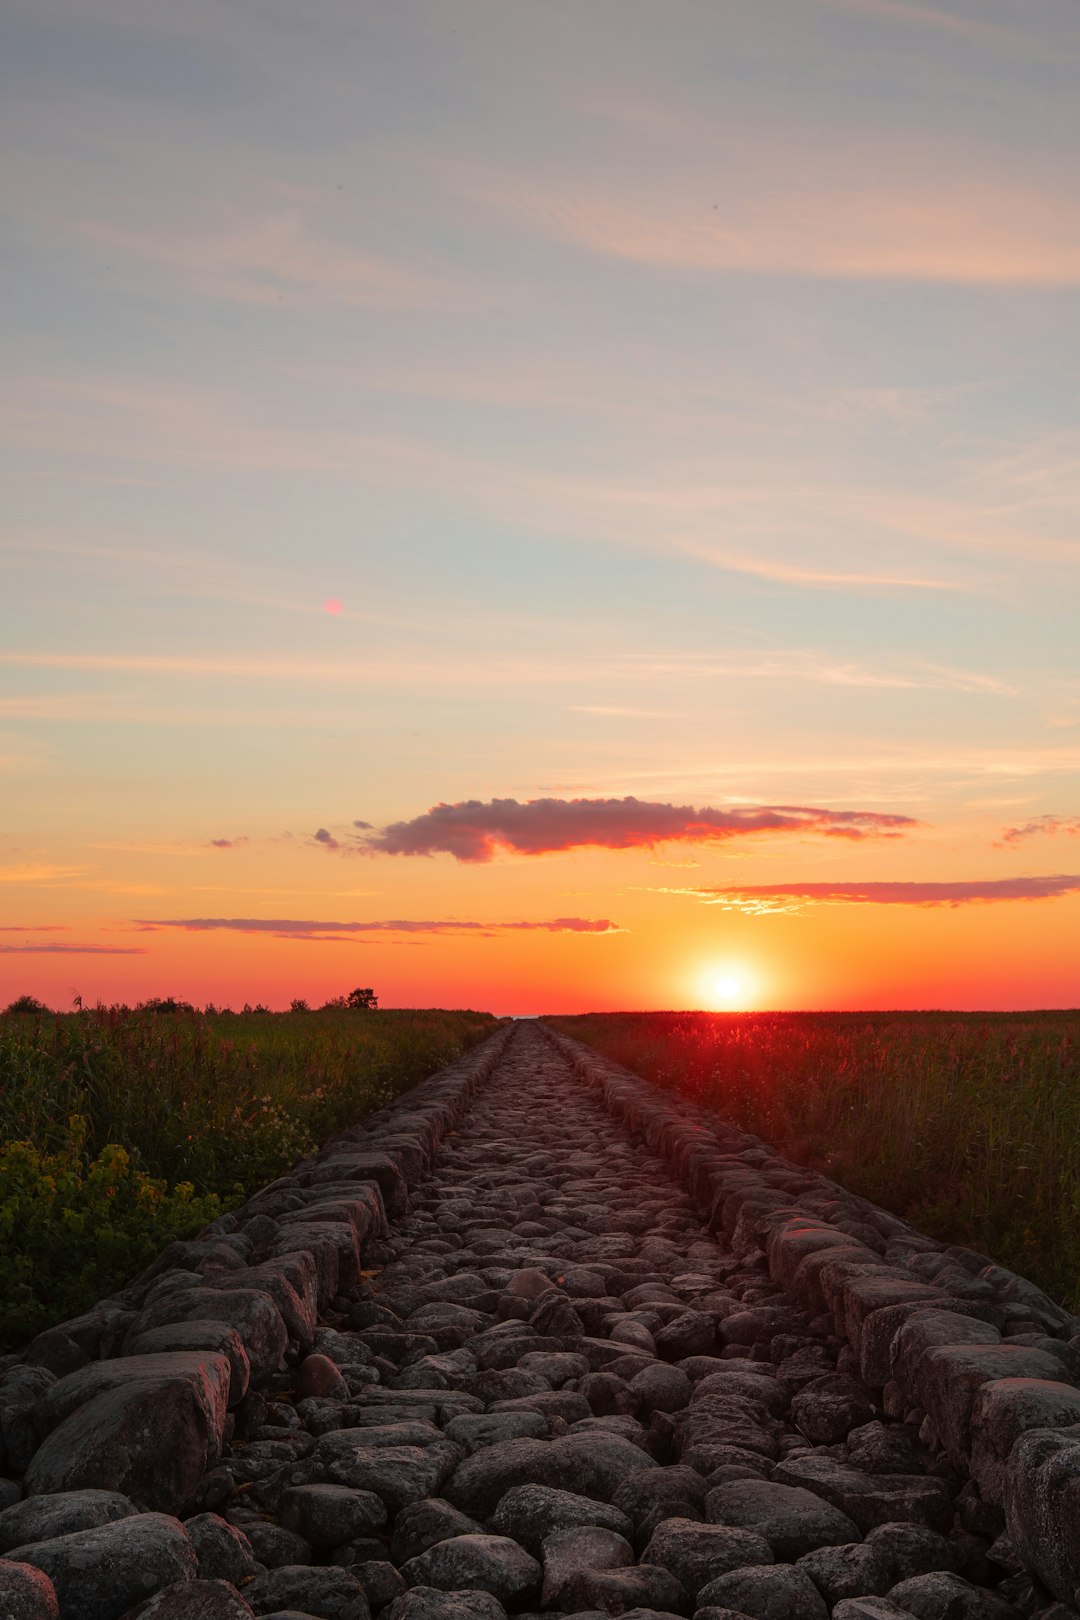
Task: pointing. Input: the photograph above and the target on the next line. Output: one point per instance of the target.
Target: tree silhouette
(363, 999)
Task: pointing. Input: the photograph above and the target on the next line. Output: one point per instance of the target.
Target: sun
(728, 990)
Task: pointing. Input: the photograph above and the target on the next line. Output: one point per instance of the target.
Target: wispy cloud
(822, 218)
(39, 872)
(33, 928)
(306, 928)
(1043, 826)
(267, 258)
(939, 21)
(229, 843)
(54, 948)
(762, 899)
(475, 831)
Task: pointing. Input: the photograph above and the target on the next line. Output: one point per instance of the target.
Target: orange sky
(646, 433)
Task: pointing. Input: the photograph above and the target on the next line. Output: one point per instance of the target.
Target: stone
(921, 1330)
(766, 1592)
(475, 1430)
(945, 1596)
(275, 1546)
(622, 1591)
(593, 1465)
(397, 1474)
(667, 1490)
(879, 1448)
(792, 1520)
(102, 1572)
(869, 1500)
(697, 1553)
(326, 1593)
(250, 1311)
(43, 1518)
(319, 1377)
(1042, 1503)
(26, 1593)
(853, 1570)
(224, 1553)
(825, 1411)
(329, 1515)
(691, 1333)
(421, 1524)
(427, 1603)
(1001, 1412)
(194, 1600)
(530, 1514)
(485, 1563)
(912, 1549)
(870, 1608)
(660, 1388)
(198, 1335)
(570, 1553)
(180, 1400)
(382, 1583)
(948, 1377)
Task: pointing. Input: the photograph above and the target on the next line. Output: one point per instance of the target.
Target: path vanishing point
(542, 1339)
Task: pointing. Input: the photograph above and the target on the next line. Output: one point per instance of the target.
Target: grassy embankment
(121, 1130)
(966, 1124)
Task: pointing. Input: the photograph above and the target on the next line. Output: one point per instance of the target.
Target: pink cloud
(476, 831)
(1048, 825)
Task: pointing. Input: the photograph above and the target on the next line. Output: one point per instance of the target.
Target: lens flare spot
(332, 605)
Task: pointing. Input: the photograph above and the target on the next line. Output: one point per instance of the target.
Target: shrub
(74, 1228)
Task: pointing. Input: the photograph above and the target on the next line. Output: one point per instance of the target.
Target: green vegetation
(122, 1129)
(966, 1124)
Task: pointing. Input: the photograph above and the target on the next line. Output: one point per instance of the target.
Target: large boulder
(1042, 1506)
(100, 1574)
(1003, 1410)
(150, 1434)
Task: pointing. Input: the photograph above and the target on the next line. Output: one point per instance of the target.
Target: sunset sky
(541, 506)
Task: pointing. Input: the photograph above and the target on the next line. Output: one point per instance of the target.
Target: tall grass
(121, 1129)
(966, 1124)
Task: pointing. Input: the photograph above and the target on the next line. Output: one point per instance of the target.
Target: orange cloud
(475, 831)
(763, 898)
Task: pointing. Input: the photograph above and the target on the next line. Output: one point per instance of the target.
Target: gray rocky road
(562, 1394)
(551, 1389)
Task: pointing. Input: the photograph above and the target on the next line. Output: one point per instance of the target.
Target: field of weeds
(968, 1125)
(121, 1129)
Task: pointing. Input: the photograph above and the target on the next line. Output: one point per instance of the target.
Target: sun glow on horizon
(728, 989)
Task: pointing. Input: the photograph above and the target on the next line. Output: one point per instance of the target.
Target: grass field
(122, 1129)
(966, 1124)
